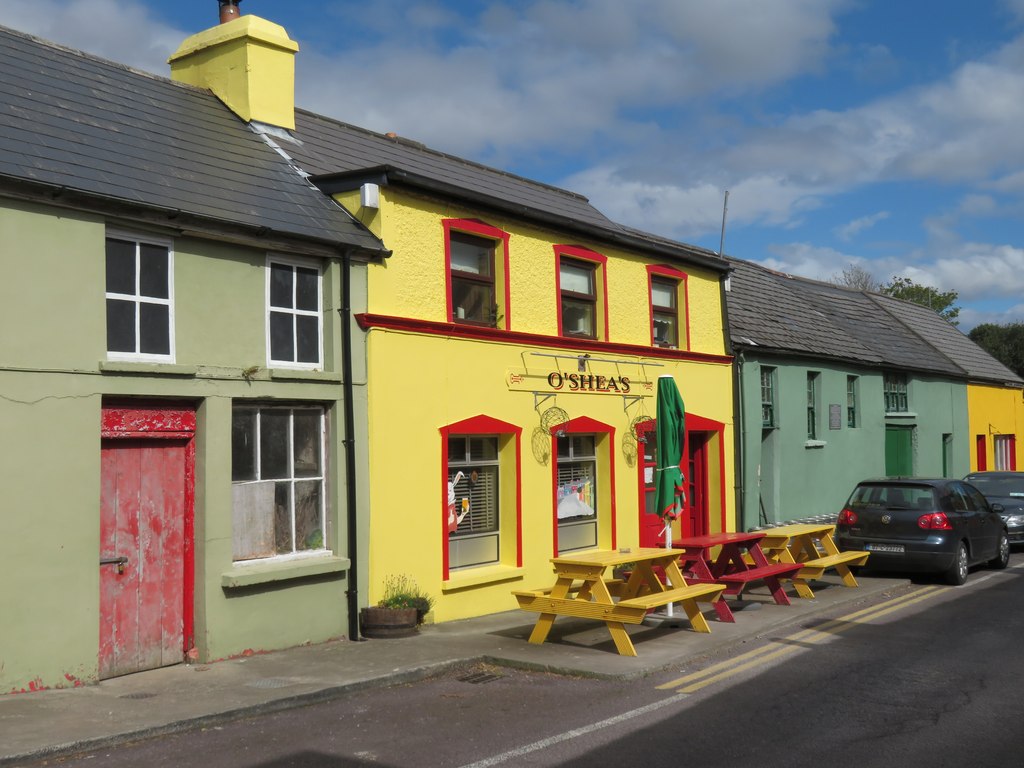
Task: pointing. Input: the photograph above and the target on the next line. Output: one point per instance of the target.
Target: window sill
(147, 369)
(299, 374)
(266, 573)
(478, 577)
(900, 415)
(815, 443)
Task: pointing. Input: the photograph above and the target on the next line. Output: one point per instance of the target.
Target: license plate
(898, 548)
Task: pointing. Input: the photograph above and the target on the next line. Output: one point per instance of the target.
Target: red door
(694, 520)
(652, 527)
(145, 543)
(695, 516)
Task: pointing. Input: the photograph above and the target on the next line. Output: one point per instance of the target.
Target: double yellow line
(777, 649)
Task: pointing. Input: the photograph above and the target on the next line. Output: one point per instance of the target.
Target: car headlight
(1014, 520)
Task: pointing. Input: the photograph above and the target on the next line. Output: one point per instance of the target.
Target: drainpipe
(229, 10)
(348, 443)
(741, 441)
(739, 422)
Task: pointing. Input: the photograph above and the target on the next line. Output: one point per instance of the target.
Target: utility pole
(725, 210)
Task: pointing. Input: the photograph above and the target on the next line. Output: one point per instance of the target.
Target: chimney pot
(229, 10)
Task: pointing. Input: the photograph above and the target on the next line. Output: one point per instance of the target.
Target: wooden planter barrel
(382, 623)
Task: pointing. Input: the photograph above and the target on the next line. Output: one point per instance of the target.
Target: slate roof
(767, 310)
(774, 312)
(339, 156)
(931, 327)
(113, 134)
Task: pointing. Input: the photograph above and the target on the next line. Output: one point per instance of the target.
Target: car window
(998, 485)
(958, 499)
(975, 497)
(893, 497)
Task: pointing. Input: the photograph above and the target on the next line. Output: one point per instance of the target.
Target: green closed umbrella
(670, 484)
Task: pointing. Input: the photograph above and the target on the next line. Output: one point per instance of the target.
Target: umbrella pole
(668, 545)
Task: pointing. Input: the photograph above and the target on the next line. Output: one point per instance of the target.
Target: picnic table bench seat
(814, 568)
(628, 611)
(759, 572)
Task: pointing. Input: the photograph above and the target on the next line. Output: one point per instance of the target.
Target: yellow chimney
(248, 63)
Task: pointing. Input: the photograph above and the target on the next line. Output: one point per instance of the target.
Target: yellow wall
(412, 282)
(995, 411)
(421, 382)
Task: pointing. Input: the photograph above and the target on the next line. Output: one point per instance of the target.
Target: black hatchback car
(923, 524)
(1007, 490)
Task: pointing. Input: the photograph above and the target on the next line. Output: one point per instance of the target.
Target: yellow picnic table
(581, 590)
(811, 545)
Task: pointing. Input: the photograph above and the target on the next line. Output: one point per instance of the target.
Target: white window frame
(137, 298)
(295, 262)
(261, 407)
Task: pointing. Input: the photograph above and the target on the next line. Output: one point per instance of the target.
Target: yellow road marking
(725, 669)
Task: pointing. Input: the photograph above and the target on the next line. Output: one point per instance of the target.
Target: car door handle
(120, 562)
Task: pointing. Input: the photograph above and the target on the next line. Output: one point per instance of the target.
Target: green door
(899, 445)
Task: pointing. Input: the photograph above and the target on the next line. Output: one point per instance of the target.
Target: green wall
(54, 379)
(797, 478)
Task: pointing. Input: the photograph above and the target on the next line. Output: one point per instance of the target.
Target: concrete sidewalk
(59, 722)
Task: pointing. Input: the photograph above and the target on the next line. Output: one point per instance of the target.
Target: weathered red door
(145, 549)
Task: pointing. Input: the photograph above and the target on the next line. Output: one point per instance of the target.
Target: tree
(939, 301)
(856, 277)
(1004, 342)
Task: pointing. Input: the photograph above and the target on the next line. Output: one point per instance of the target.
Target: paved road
(930, 678)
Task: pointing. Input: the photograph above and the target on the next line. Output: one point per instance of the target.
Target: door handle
(120, 562)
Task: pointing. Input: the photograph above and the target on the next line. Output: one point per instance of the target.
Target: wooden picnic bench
(739, 562)
(810, 545)
(580, 590)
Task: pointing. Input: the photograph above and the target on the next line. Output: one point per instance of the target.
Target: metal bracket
(628, 400)
(120, 562)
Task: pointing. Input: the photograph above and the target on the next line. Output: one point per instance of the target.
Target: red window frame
(655, 271)
(600, 263)
(501, 281)
(481, 425)
(980, 448)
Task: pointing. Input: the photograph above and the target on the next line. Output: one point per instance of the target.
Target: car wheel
(1002, 558)
(957, 573)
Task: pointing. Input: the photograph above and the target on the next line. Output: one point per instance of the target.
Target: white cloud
(810, 261)
(125, 32)
(853, 228)
(975, 271)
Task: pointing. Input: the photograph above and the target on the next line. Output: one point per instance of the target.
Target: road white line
(576, 732)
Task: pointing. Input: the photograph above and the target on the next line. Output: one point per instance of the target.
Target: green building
(174, 310)
(836, 385)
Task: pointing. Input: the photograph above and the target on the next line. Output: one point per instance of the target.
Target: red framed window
(476, 272)
(582, 293)
(670, 327)
(982, 458)
(481, 509)
(1005, 450)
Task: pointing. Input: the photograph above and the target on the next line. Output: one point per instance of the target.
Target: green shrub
(400, 591)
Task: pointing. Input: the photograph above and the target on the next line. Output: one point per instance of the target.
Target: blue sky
(879, 133)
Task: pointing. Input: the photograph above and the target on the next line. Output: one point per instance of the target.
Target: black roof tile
(784, 314)
(102, 129)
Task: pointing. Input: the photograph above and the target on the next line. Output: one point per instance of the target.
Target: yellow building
(996, 417)
(512, 368)
(514, 338)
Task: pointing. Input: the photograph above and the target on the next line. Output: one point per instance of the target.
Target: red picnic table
(739, 562)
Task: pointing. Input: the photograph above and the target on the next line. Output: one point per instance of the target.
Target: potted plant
(399, 612)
